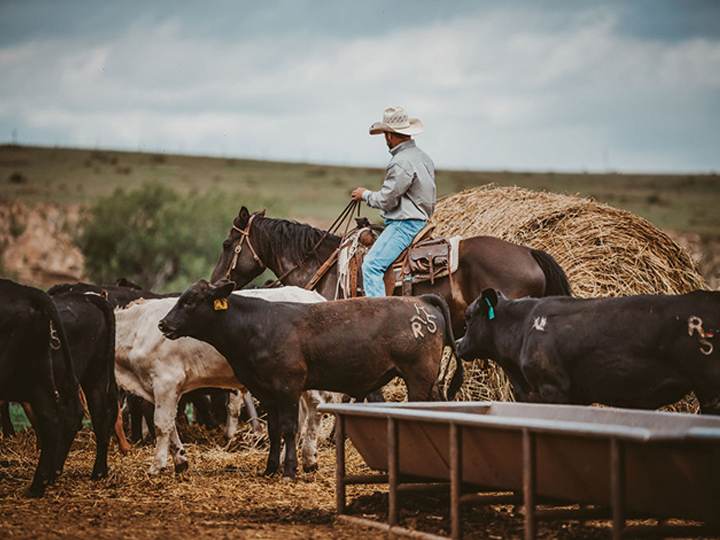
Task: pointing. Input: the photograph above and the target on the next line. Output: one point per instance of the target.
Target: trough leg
(455, 481)
(340, 499)
(617, 486)
(529, 482)
(393, 467)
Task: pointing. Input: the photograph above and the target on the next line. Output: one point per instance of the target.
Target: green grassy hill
(687, 203)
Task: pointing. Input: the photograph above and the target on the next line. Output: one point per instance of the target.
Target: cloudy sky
(567, 85)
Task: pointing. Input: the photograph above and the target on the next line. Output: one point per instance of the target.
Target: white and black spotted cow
(641, 351)
(279, 349)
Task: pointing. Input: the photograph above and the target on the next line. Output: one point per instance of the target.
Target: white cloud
(508, 89)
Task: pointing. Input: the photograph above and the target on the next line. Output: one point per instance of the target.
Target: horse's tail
(457, 379)
(556, 282)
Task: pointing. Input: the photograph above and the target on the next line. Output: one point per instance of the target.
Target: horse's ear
(241, 220)
(261, 213)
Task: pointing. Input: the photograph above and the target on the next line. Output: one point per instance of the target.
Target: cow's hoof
(288, 479)
(310, 468)
(154, 471)
(35, 491)
(181, 467)
(98, 475)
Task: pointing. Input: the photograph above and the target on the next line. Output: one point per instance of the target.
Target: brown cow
(279, 349)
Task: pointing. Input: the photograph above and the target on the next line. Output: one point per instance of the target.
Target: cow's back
(345, 340)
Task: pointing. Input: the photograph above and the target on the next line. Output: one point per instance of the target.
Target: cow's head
(479, 318)
(195, 308)
(239, 260)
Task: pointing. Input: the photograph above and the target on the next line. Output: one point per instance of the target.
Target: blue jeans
(396, 237)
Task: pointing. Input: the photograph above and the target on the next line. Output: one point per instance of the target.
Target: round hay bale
(603, 250)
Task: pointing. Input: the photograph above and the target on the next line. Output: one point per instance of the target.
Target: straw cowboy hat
(396, 119)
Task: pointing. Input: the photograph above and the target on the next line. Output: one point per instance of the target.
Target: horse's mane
(292, 238)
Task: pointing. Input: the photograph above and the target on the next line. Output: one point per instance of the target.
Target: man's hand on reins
(357, 193)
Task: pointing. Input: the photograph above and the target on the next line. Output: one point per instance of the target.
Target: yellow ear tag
(220, 304)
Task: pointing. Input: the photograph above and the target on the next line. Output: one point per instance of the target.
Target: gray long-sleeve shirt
(408, 191)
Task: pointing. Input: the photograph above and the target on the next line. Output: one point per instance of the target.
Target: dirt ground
(222, 495)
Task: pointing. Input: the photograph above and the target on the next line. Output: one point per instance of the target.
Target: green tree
(155, 236)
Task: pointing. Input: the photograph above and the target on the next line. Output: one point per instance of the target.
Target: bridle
(346, 215)
(245, 237)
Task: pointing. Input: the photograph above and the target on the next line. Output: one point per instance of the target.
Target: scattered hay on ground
(224, 495)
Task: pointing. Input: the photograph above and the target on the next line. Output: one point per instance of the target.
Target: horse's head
(239, 261)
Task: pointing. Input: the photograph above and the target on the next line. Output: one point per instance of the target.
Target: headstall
(245, 233)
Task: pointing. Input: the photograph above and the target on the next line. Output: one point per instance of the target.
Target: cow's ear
(222, 289)
(490, 297)
(489, 301)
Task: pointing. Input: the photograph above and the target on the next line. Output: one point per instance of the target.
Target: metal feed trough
(618, 463)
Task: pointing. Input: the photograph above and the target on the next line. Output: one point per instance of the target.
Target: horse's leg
(120, 432)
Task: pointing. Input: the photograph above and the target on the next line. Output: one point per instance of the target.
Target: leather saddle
(426, 259)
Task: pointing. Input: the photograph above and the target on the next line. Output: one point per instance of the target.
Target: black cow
(279, 349)
(30, 328)
(89, 323)
(637, 351)
(122, 293)
(119, 295)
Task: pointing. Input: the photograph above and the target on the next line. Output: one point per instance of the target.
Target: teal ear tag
(491, 311)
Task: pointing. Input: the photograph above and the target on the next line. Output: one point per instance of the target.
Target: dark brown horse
(291, 251)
